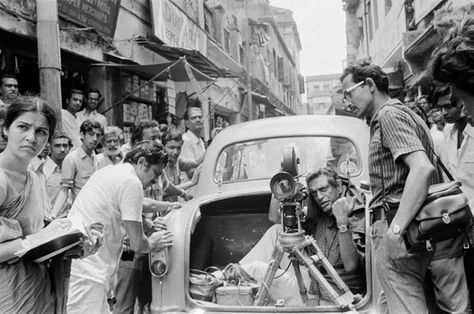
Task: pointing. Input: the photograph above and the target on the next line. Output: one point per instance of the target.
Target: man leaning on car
(337, 231)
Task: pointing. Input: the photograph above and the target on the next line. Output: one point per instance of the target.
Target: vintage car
(230, 211)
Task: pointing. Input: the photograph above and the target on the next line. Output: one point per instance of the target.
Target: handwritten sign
(98, 14)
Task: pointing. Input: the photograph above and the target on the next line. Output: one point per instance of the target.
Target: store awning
(260, 99)
(194, 57)
(175, 70)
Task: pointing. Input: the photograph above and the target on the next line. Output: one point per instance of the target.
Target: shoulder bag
(445, 213)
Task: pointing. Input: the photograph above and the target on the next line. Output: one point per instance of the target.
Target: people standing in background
(8, 93)
(60, 146)
(27, 286)
(452, 64)
(193, 150)
(173, 143)
(78, 166)
(8, 89)
(90, 111)
(144, 129)
(69, 116)
(112, 152)
(436, 124)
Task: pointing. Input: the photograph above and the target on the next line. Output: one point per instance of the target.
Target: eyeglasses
(347, 93)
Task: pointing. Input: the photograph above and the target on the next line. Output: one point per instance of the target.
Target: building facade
(210, 34)
(321, 91)
(400, 35)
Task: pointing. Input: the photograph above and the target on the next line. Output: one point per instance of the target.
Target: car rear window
(260, 159)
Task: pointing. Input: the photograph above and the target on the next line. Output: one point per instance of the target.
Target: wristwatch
(396, 229)
(342, 228)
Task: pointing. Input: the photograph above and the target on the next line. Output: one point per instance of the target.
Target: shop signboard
(101, 15)
(175, 28)
(424, 7)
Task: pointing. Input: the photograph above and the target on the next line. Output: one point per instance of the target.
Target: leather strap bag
(445, 213)
(202, 285)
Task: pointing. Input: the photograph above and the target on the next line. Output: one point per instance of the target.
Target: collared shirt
(326, 235)
(175, 176)
(438, 139)
(77, 169)
(112, 195)
(94, 115)
(404, 132)
(53, 176)
(71, 127)
(37, 166)
(460, 162)
(193, 146)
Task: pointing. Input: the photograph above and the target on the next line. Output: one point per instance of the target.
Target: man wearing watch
(401, 160)
(337, 226)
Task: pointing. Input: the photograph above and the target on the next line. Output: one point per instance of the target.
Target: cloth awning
(175, 70)
(194, 57)
(260, 99)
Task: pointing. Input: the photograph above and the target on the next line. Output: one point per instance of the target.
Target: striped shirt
(404, 132)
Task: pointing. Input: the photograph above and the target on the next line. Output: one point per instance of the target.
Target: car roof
(351, 128)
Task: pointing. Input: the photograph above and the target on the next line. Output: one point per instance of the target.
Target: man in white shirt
(114, 197)
(69, 116)
(458, 152)
(90, 112)
(60, 147)
(193, 150)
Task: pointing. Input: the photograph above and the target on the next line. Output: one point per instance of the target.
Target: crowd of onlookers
(85, 143)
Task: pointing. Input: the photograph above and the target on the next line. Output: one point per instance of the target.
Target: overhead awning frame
(179, 71)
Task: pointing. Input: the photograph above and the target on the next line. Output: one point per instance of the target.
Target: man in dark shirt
(407, 164)
(337, 228)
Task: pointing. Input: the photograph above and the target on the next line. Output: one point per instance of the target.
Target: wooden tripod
(295, 244)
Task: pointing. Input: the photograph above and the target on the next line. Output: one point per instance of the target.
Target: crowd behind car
(84, 144)
(84, 171)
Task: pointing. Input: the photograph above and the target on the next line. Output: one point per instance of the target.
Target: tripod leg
(268, 279)
(299, 278)
(344, 300)
(329, 268)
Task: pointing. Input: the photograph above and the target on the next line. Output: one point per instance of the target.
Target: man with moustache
(193, 150)
(60, 147)
(69, 116)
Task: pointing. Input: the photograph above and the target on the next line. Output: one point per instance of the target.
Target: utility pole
(248, 62)
(49, 57)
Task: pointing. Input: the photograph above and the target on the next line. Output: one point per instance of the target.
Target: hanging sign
(101, 15)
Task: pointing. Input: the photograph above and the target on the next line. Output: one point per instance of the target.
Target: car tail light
(159, 263)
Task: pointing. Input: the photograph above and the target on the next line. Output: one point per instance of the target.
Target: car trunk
(228, 229)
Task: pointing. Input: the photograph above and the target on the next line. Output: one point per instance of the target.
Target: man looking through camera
(337, 232)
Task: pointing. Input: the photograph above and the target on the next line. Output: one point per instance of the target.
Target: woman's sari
(26, 286)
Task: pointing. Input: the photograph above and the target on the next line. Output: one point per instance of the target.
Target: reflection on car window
(262, 159)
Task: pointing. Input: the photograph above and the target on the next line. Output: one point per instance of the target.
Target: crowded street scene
(236, 156)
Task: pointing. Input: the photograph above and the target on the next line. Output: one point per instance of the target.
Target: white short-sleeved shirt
(112, 195)
(193, 146)
(94, 116)
(460, 162)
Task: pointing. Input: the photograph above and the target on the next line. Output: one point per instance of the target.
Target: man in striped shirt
(407, 164)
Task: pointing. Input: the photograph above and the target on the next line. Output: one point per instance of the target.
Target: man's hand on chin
(342, 208)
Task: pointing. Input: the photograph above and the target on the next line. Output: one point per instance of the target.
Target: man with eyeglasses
(405, 162)
(90, 111)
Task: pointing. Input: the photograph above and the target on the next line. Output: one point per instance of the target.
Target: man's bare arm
(416, 188)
